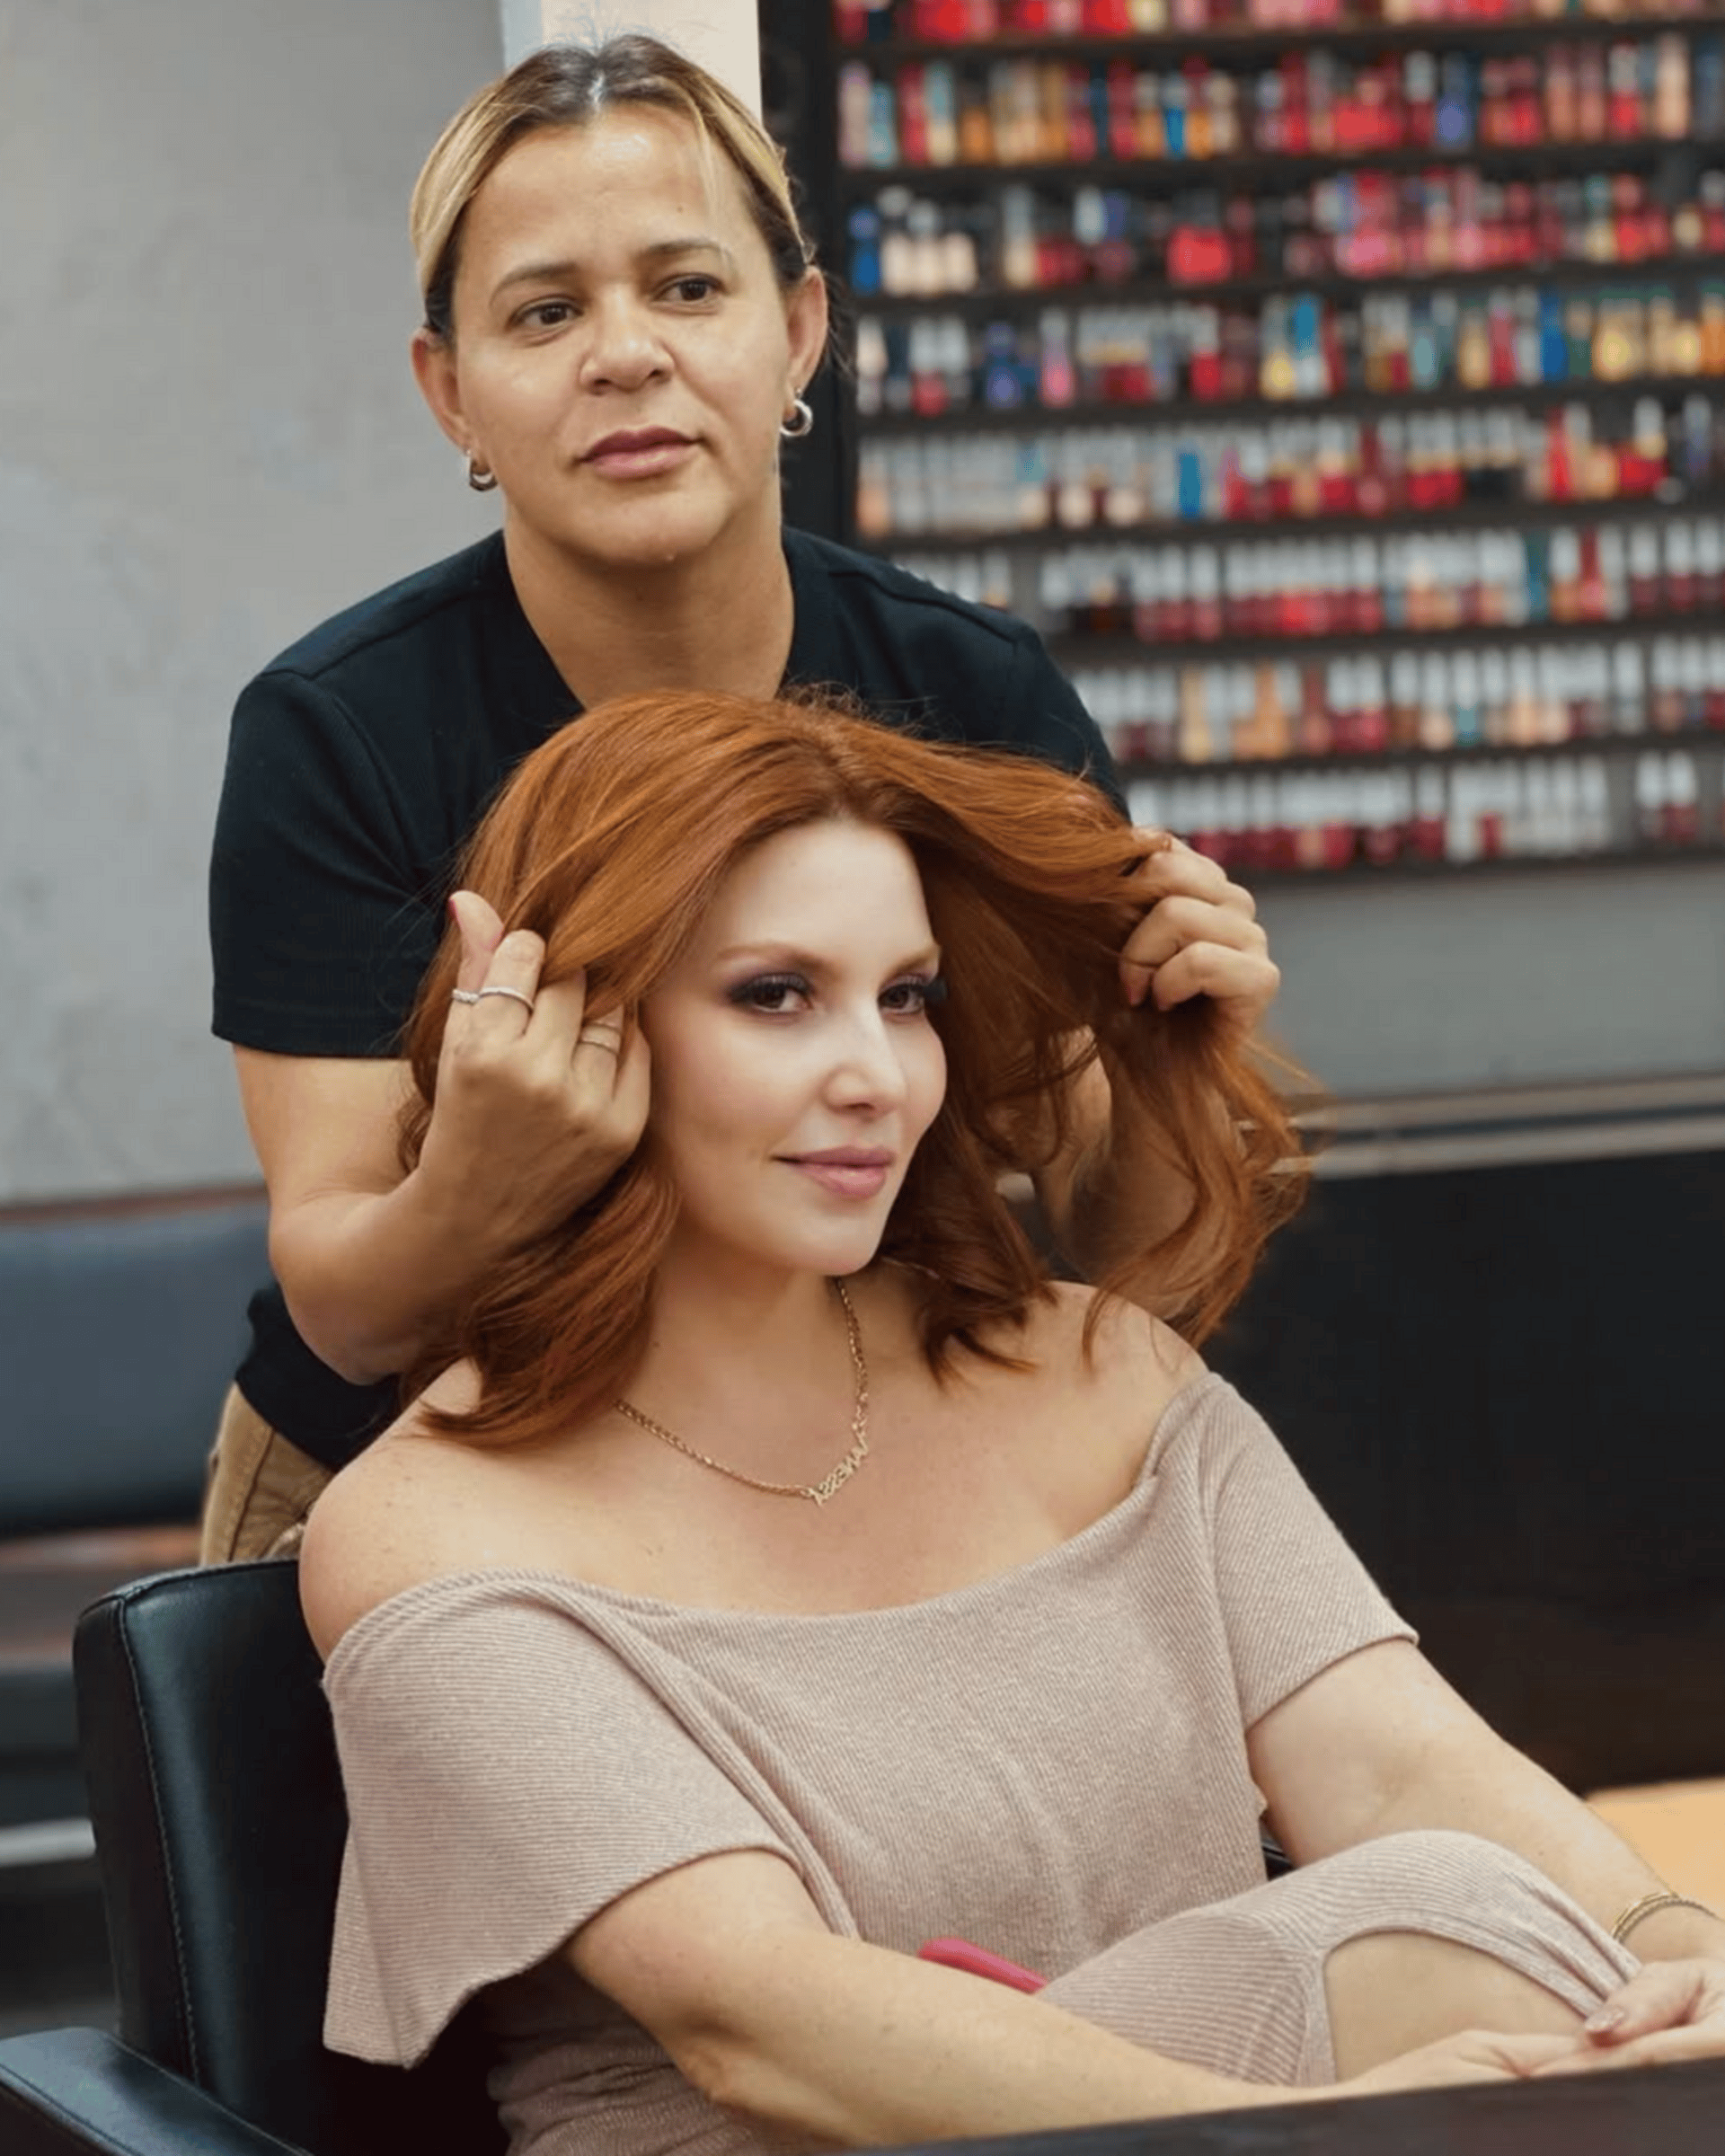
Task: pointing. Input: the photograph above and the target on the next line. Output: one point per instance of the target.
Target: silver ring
(598, 1038)
(516, 996)
(463, 995)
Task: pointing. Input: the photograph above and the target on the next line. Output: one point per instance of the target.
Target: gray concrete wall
(1503, 978)
(209, 439)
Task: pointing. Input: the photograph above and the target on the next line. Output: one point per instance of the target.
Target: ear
(439, 380)
(805, 312)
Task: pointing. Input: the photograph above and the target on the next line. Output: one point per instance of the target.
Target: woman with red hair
(816, 1679)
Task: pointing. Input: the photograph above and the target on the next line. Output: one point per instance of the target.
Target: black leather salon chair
(219, 1821)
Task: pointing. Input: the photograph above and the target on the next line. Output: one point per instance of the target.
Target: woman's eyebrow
(564, 271)
(790, 958)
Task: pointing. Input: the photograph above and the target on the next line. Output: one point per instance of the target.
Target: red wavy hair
(611, 841)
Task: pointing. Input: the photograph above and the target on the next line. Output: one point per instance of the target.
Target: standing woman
(620, 318)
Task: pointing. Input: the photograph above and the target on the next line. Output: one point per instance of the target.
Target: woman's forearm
(371, 1277)
(1484, 1786)
(850, 2042)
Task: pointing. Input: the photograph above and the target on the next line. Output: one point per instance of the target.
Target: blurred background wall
(209, 439)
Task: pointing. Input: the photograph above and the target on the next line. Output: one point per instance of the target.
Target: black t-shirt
(361, 761)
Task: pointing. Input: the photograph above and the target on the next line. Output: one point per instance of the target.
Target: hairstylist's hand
(539, 1100)
(1199, 936)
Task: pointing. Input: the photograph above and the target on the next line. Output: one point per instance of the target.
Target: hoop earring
(800, 423)
(479, 478)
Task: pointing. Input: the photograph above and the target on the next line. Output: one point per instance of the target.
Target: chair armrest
(79, 2092)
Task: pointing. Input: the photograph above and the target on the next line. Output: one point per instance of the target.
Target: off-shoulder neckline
(406, 1601)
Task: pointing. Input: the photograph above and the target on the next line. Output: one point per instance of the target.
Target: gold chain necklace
(834, 1480)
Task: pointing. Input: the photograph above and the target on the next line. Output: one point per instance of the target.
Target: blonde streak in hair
(449, 178)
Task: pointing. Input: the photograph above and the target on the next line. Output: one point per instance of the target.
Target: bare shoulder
(404, 1512)
(1128, 1348)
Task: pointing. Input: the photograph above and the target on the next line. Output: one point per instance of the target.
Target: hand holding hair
(1199, 936)
(539, 1100)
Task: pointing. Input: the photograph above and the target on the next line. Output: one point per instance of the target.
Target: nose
(623, 349)
(868, 1071)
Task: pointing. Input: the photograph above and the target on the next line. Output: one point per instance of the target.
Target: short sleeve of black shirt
(358, 764)
(920, 658)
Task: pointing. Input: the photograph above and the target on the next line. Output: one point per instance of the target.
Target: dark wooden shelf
(1619, 747)
(1161, 176)
(1515, 864)
(1470, 516)
(1248, 41)
(1011, 301)
(1070, 650)
(1346, 404)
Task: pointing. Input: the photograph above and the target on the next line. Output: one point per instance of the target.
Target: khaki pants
(259, 1491)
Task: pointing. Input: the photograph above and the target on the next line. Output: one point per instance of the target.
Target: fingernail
(1602, 2023)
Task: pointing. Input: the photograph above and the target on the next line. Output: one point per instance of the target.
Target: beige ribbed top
(1043, 1762)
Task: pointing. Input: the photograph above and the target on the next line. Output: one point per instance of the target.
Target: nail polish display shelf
(1036, 417)
(1162, 339)
(1461, 517)
(1251, 41)
(1024, 302)
(1074, 652)
(1243, 167)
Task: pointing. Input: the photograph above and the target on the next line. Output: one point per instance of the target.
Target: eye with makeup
(784, 994)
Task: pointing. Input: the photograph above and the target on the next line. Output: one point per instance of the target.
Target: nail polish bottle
(1628, 690)
(1682, 821)
(873, 493)
(976, 132)
(1403, 714)
(1206, 594)
(1692, 661)
(1646, 590)
(1709, 565)
(1420, 99)
(1564, 559)
(855, 94)
(1120, 80)
(940, 113)
(1650, 800)
(1494, 697)
(913, 115)
(1056, 383)
(1196, 743)
(1561, 114)
(1314, 732)
(870, 365)
(1372, 721)
(1453, 118)
(1146, 104)
(1081, 129)
(1591, 584)
(1715, 679)
(1176, 611)
(1590, 106)
(1436, 715)
(1679, 566)
(1174, 95)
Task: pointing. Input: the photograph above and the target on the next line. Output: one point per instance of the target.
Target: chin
(650, 533)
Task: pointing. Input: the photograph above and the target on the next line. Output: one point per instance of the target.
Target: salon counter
(1658, 2111)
